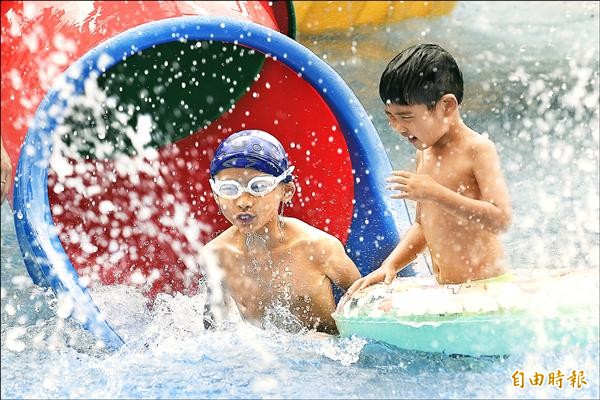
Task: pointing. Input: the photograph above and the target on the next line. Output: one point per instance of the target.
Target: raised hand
(411, 186)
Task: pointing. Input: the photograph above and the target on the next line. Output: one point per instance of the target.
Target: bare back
(461, 249)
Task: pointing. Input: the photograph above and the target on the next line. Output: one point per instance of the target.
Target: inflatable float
(534, 311)
(112, 186)
(316, 17)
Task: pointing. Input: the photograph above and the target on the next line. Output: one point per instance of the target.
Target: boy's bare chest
(263, 278)
(451, 170)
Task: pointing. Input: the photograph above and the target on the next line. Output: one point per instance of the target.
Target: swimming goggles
(257, 186)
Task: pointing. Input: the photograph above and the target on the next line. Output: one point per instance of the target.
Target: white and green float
(535, 310)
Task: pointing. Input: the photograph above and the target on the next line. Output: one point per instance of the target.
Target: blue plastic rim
(377, 220)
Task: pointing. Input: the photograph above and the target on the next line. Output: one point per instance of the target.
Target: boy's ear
(217, 200)
(448, 103)
(288, 191)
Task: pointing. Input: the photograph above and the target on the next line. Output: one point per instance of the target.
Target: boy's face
(422, 127)
(247, 212)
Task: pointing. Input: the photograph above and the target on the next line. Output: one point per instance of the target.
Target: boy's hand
(385, 273)
(411, 186)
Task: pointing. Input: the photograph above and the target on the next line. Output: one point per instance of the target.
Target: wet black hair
(421, 74)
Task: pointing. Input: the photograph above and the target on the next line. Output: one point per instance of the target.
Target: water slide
(111, 112)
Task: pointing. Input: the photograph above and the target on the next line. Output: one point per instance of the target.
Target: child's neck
(267, 238)
(456, 131)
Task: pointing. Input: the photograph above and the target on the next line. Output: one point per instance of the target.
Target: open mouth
(245, 218)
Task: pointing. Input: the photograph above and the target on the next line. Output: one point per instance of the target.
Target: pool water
(531, 84)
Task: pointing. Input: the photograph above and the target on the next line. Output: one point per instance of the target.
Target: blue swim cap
(252, 149)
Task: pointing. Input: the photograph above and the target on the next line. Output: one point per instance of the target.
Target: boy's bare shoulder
(308, 235)
(220, 243)
(479, 144)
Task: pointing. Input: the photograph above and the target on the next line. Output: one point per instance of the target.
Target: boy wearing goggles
(279, 270)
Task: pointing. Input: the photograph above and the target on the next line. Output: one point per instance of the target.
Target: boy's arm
(339, 267)
(217, 298)
(492, 212)
(407, 250)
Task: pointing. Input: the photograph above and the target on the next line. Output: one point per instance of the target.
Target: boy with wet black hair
(462, 199)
